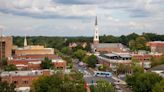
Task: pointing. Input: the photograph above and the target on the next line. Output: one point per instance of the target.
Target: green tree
(159, 87)
(124, 40)
(141, 43)
(135, 61)
(122, 69)
(88, 47)
(6, 87)
(137, 69)
(132, 45)
(10, 67)
(66, 50)
(46, 63)
(60, 82)
(92, 61)
(132, 36)
(102, 68)
(143, 82)
(109, 39)
(92, 88)
(103, 86)
(138, 44)
(80, 54)
(85, 59)
(4, 61)
(157, 61)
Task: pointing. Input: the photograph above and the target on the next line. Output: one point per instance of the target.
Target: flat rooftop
(24, 73)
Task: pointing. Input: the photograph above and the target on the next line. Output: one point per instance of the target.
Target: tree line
(133, 40)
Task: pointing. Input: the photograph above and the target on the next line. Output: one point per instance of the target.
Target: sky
(77, 17)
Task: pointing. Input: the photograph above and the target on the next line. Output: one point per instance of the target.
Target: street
(91, 80)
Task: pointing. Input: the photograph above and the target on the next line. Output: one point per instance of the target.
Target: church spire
(25, 42)
(96, 35)
(96, 21)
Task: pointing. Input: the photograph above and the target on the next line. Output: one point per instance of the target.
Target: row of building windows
(23, 82)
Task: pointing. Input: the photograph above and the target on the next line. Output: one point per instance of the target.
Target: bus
(102, 74)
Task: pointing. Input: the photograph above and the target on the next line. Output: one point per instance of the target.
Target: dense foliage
(157, 61)
(10, 67)
(102, 86)
(92, 61)
(46, 63)
(60, 82)
(79, 54)
(143, 82)
(5, 87)
(138, 44)
(123, 69)
(159, 87)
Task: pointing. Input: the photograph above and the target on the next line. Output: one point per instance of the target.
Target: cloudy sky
(76, 17)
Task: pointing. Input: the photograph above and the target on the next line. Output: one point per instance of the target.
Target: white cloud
(45, 8)
(67, 15)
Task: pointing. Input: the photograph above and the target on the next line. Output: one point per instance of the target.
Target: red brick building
(26, 64)
(144, 59)
(32, 62)
(59, 63)
(36, 56)
(156, 46)
(23, 78)
(5, 47)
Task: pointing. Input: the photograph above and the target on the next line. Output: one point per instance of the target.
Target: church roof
(110, 45)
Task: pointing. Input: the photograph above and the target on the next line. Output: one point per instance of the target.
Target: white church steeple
(25, 41)
(96, 35)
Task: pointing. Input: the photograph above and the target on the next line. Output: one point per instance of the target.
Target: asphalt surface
(91, 80)
(88, 75)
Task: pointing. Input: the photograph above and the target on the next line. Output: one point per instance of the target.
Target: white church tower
(25, 41)
(96, 35)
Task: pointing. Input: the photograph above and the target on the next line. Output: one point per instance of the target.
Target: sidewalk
(120, 81)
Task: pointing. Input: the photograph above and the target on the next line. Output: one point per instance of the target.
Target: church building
(105, 47)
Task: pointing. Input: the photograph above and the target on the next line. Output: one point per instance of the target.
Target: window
(25, 82)
(15, 82)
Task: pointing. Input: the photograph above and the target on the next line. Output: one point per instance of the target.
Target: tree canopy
(159, 87)
(138, 44)
(61, 42)
(10, 67)
(6, 87)
(92, 61)
(102, 86)
(60, 82)
(157, 61)
(143, 82)
(46, 63)
(79, 54)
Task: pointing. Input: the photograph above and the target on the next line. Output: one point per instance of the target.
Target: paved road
(88, 75)
(94, 79)
(90, 79)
